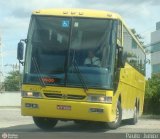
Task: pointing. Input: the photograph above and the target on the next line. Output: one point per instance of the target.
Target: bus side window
(135, 54)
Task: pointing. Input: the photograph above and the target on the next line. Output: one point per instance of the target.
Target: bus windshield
(64, 51)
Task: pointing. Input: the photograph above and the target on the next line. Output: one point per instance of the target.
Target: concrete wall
(10, 99)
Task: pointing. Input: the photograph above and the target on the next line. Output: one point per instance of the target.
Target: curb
(150, 117)
(10, 107)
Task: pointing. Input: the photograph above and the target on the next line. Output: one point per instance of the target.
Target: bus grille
(77, 97)
(53, 95)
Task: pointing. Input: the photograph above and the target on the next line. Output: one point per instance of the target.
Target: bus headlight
(31, 94)
(99, 98)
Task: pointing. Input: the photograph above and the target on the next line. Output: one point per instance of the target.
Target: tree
(138, 36)
(153, 86)
(152, 93)
(12, 81)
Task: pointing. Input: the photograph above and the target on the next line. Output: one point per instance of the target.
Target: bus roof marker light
(65, 12)
(73, 12)
(80, 13)
(109, 15)
(38, 11)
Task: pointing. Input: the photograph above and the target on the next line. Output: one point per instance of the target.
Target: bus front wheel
(45, 123)
(117, 122)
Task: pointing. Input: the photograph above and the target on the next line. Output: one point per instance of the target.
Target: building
(155, 50)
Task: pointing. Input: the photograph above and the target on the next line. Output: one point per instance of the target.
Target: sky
(141, 15)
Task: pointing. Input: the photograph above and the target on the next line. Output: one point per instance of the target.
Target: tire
(134, 120)
(45, 123)
(117, 122)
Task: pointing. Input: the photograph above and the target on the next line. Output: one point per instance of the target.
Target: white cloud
(9, 53)
(20, 9)
(11, 22)
(139, 14)
(16, 13)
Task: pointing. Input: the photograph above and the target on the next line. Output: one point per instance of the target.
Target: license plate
(63, 107)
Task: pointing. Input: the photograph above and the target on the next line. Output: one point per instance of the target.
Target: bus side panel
(131, 89)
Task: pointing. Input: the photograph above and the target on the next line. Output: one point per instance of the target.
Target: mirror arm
(24, 40)
(120, 57)
(21, 62)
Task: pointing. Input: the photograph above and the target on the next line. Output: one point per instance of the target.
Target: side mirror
(20, 50)
(121, 57)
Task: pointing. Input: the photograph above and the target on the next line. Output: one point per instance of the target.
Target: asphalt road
(11, 122)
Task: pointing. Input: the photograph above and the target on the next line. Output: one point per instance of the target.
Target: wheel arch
(137, 104)
(120, 99)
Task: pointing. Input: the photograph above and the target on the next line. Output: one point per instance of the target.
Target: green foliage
(12, 81)
(138, 36)
(152, 94)
(153, 87)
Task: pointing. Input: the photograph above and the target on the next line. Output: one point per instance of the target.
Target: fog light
(34, 105)
(30, 105)
(96, 110)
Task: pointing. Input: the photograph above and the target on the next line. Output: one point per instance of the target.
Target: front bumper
(78, 111)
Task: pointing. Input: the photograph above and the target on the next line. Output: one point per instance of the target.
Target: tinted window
(135, 54)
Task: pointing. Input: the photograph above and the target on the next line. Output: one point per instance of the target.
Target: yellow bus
(81, 65)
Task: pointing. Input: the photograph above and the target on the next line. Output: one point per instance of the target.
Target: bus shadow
(62, 127)
(59, 128)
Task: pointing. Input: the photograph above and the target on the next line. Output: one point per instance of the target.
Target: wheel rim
(117, 115)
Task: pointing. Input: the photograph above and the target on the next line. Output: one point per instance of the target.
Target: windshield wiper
(80, 76)
(38, 72)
